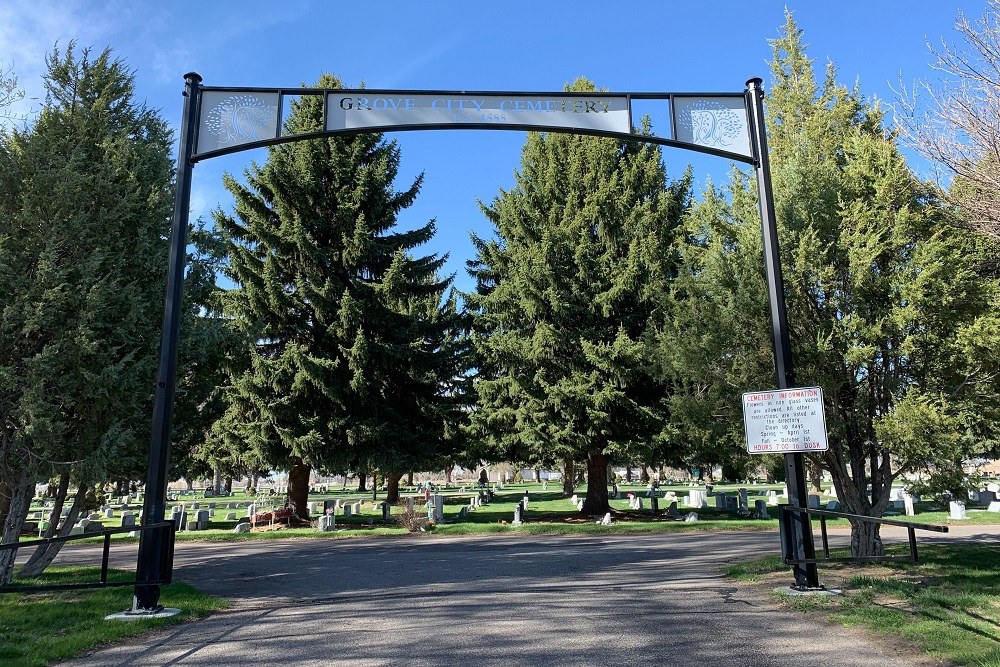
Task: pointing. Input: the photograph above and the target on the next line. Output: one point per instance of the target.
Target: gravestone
(326, 522)
(672, 509)
(994, 506)
(986, 497)
(517, 515)
(579, 505)
(732, 503)
(760, 509)
(242, 527)
(956, 510)
(251, 509)
(833, 506)
(202, 517)
(464, 512)
(348, 510)
(994, 487)
(386, 511)
(691, 517)
(191, 525)
(438, 508)
(720, 501)
(231, 516)
(128, 520)
(108, 513)
(744, 501)
(908, 505)
(696, 498)
(606, 521)
(94, 516)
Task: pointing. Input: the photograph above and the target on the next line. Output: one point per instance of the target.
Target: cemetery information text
(785, 420)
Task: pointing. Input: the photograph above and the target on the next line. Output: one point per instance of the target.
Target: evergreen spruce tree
(346, 323)
(565, 295)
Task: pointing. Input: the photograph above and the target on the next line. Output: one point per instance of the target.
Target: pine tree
(565, 295)
(347, 324)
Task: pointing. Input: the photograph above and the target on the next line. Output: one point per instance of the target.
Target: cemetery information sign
(784, 421)
(352, 110)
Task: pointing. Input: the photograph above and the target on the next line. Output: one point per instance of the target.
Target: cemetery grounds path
(499, 600)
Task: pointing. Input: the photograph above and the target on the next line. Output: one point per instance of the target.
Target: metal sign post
(806, 576)
(151, 543)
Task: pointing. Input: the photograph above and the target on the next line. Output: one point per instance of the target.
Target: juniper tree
(86, 202)
(886, 310)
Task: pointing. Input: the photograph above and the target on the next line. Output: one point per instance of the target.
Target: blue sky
(698, 45)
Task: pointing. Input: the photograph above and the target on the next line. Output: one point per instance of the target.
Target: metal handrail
(165, 574)
(785, 520)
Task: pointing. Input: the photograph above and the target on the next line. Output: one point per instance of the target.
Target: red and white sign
(783, 421)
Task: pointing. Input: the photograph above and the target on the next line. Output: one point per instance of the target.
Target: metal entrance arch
(219, 120)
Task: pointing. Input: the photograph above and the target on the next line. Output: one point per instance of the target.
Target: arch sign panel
(233, 119)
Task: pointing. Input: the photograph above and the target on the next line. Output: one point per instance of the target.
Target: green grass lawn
(549, 513)
(948, 604)
(38, 628)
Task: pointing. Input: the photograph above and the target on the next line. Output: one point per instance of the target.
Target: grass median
(947, 605)
(39, 628)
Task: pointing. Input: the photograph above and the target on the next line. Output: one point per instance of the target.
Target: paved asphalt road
(491, 601)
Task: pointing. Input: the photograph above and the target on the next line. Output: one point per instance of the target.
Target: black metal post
(151, 545)
(806, 575)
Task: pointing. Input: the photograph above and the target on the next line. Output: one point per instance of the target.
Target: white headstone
(956, 509)
(691, 517)
(242, 528)
(908, 505)
(994, 487)
(606, 521)
(994, 506)
(696, 498)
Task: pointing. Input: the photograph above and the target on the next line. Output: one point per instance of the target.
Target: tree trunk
(596, 501)
(815, 477)
(217, 482)
(4, 502)
(229, 485)
(20, 502)
(567, 478)
(448, 472)
(538, 475)
(190, 484)
(409, 478)
(866, 540)
(628, 474)
(375, 485)
(298, 489)
(392, 487)
(61, 492)
(363, 480)
(644, 475)
(46, 553)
